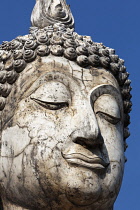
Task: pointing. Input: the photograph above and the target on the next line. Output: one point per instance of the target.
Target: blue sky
(116, 24)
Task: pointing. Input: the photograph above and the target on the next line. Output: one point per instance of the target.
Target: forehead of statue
(52, 65)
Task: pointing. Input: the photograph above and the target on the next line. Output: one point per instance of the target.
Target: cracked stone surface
(62, 139)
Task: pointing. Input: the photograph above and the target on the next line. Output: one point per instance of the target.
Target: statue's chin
(83, 192)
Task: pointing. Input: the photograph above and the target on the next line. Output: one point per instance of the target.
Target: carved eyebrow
(51, 92)
(46, 78)
(107, 89)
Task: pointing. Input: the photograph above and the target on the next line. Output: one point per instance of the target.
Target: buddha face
(62, 148)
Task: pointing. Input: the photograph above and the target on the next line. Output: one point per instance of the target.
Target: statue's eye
(51, 105)
(106, 107)
(52, 95)
(109, 118)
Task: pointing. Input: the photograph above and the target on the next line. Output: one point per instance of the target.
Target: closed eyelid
(50, 105)
(98, 112)
(109, 118)
(107, 99)
(107, 104)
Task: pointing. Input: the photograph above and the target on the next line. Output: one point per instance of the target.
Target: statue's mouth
(78, 159)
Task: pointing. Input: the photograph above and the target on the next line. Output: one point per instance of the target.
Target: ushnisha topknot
(59, 40)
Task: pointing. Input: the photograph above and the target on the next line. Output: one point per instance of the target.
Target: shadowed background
(115, 24)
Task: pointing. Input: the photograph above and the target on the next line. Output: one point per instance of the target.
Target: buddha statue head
(64, 103)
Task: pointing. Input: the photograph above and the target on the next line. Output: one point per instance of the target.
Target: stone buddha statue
(64, 106)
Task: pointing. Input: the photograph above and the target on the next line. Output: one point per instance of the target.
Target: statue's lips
(82, 160)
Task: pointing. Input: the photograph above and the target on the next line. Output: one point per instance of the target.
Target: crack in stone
(71, 67)
(18, 153)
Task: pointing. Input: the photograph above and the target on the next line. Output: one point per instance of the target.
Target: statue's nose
(88, 131)
(89, 141)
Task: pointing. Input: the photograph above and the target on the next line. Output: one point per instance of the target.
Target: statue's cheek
(112, 182)
(14, 140)
(113, 140)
